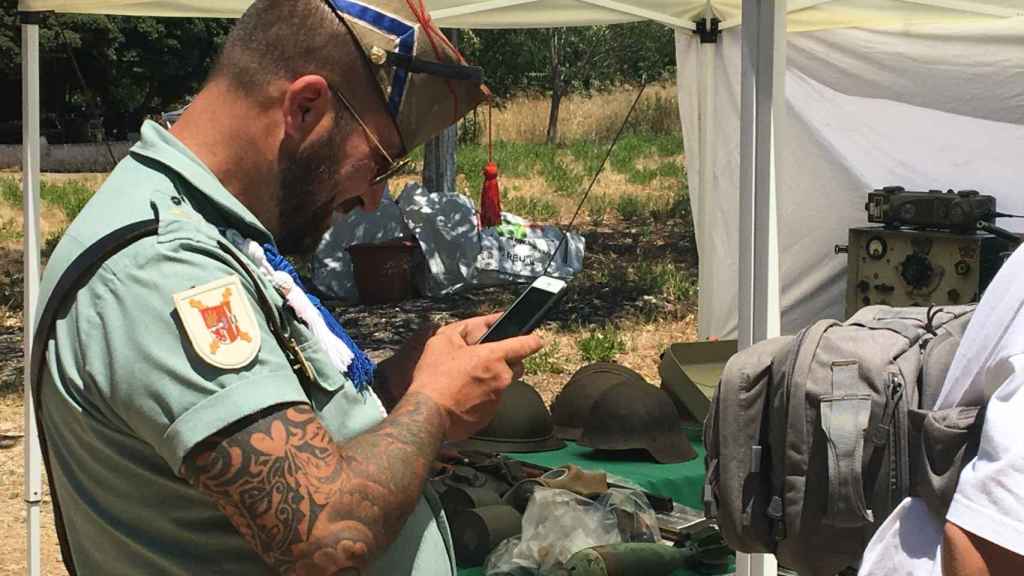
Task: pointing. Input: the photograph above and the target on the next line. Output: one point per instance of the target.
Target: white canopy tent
(922, 93)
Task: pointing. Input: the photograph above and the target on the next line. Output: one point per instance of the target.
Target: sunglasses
(393, 166)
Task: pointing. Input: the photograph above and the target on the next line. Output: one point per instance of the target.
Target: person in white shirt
(983, 532)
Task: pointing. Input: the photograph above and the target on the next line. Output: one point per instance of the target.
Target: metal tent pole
(762, 109)
(708, 31)
(30, 189)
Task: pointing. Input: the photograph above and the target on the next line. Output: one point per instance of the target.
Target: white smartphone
(527, 311)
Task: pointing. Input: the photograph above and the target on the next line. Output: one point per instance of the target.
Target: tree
(132, 67)
(561, 61)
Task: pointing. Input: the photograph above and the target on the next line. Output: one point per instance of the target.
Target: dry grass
(594, 118)
(644, 343)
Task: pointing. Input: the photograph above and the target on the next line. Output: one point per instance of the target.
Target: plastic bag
(518, 251)
(559, 523)
(636, 520)
(445, 225)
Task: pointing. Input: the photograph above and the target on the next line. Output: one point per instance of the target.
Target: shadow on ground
(608, 291)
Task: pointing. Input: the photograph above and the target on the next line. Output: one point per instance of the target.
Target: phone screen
(519, 316)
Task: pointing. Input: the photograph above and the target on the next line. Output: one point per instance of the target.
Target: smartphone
(527, 311)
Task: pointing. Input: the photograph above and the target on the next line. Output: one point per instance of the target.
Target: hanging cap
(426, 83)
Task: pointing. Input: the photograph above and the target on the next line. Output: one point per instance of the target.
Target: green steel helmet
(571, 407)
(521, 424)
(632, 417)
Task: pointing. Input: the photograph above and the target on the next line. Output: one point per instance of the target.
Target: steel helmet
(521, 424)
(628, 416)
(570, 409)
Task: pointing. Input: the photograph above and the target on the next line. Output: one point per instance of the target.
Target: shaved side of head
(284, 40)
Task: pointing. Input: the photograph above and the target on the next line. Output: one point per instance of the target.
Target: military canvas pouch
(737, 489)
(942, 442)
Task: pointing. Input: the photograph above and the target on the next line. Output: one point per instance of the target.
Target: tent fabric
(924, 107)
(804, 15)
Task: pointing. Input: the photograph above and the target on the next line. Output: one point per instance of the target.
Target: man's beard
(307, 189)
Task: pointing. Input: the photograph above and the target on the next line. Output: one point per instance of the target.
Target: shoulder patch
(219, 322)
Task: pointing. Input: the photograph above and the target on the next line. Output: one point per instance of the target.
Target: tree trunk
(439, 151)
(557, 88)
(439, 161)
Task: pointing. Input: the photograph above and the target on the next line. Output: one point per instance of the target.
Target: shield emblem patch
(219, 322)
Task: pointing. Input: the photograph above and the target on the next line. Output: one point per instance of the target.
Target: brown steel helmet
(630, 417)
(570, 409)
(521, 424)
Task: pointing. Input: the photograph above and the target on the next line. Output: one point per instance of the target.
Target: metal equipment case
(919, 267)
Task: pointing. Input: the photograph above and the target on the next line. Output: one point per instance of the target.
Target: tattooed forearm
(309, 506)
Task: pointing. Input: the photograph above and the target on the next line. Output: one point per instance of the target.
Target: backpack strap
(80, 270)
(844, 417)
(71, 280)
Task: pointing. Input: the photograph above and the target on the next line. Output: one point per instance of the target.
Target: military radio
(895, 207)
(931, 248)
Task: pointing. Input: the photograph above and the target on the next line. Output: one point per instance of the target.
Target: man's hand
(311, 506)
(466, 379)
(393, 376)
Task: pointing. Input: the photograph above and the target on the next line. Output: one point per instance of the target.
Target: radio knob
(917, 271)
(962, 268)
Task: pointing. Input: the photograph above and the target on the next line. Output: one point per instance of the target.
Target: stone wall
(69, 157)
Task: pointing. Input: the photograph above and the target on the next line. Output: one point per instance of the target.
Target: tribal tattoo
(310, 506)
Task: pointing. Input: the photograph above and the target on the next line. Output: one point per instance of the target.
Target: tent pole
(707, 153)
(30, 189)
(762, 108)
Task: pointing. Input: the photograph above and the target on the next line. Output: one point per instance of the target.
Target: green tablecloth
(683, 482)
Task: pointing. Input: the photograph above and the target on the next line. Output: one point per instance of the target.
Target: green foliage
(132, 67)
(546, 361)
(629, 207)
(669, 169)
(69, 196)
(601, 345)
(664, 279)
(634, 147)
(597, 206)
(655, 114)
(530, 207)
(10, 191)
(563, 179)
(591, 57)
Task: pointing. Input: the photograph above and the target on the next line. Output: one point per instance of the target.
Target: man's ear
(306, 103)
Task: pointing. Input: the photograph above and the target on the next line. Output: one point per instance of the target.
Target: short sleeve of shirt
(989, 498)
(132, 361)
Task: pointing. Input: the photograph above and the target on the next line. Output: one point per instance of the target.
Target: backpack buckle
(775, 512)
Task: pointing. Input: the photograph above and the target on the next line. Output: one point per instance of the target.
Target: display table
(683, 482)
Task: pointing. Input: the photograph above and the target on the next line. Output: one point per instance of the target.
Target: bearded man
(202, 414)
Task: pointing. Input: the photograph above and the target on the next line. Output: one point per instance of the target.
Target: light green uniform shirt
(126, 396)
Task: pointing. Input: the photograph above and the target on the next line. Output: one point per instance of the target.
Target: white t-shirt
(989, 499)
